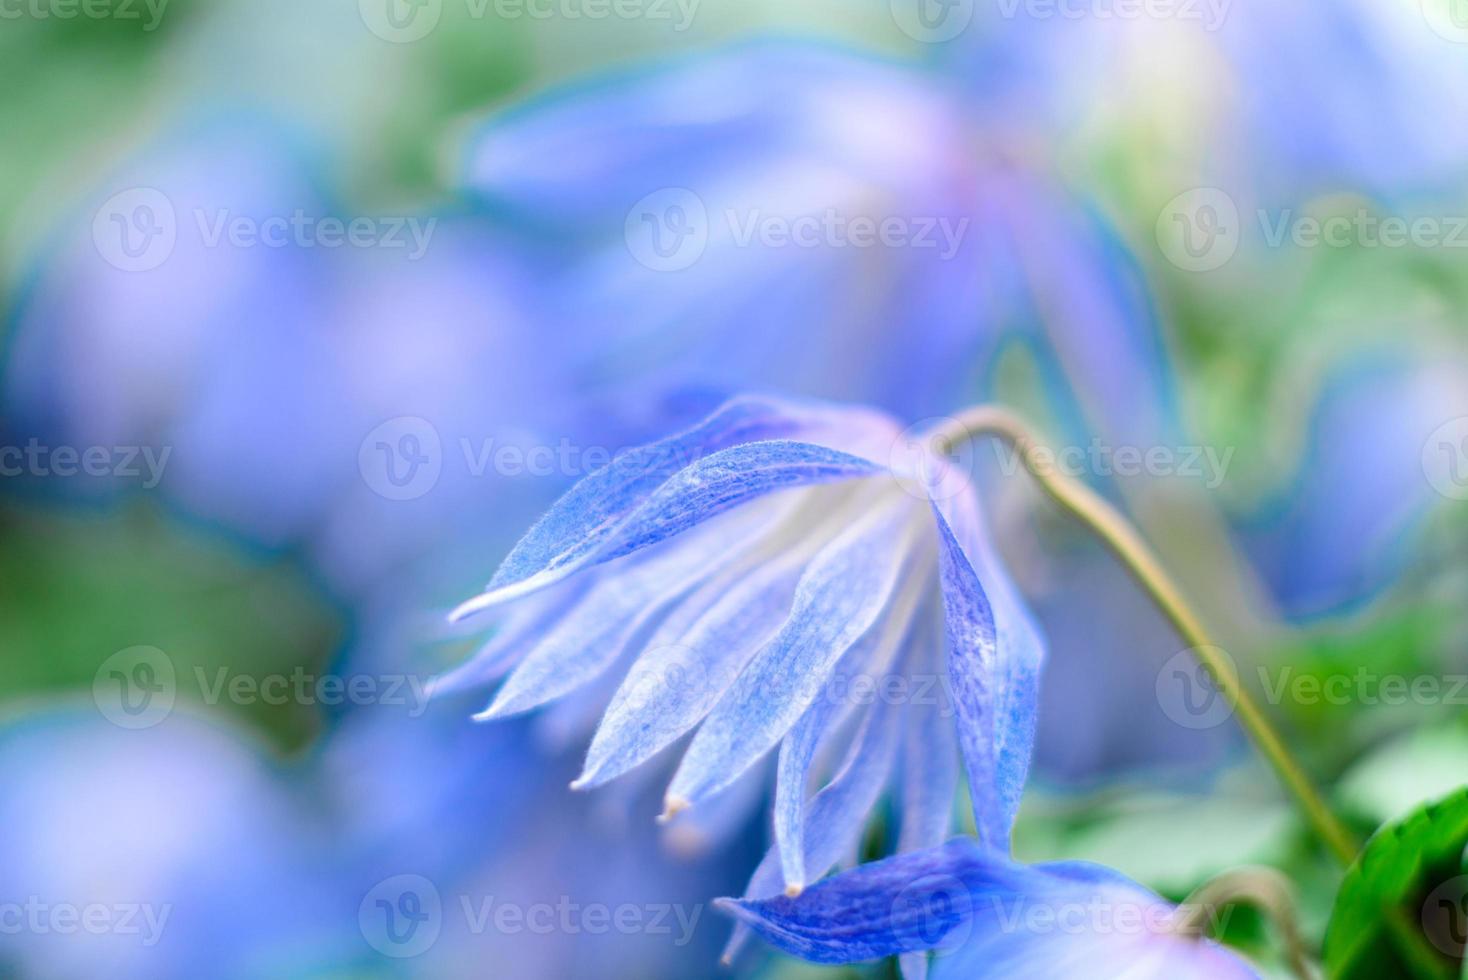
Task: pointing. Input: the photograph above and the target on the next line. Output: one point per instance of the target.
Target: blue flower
(989, 916)
(778, 577)
(665, 194)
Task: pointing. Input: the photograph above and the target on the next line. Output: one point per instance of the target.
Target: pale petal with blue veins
(845, 589)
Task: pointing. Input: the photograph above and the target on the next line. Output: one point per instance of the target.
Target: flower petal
(727, 479)
(899, 905)
(989, 916)
(994, 667)
(930, 752)
(685, 670)
(513, 638)
(577, 526)
(619, 609)
(871, 658)
(840, 596)
(838, 813)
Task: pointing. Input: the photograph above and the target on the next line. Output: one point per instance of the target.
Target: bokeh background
(310, 308)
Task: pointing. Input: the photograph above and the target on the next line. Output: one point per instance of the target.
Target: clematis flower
(731, 588)
(989, 916)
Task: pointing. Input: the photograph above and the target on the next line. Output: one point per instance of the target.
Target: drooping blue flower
(989, 916)
(701, 225)
(749, 579)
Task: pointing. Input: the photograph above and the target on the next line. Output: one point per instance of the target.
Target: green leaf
(1401, 911)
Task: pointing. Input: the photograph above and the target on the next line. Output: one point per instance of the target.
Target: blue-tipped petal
(972, 645)
(579, 524)
(994, 661)
(930, 749)
(872, 658)
(673, 685)
(837, 815)
(515, 636)
(903, 904)
(619, 609)
(727, 479)
(990, 917)
(840, 596)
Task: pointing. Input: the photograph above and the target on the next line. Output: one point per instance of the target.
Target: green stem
(1092, 510)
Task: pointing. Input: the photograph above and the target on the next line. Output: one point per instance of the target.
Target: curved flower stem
(1265, 889)
(1126, 543)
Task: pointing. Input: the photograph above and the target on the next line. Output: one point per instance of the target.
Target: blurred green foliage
(77, 587)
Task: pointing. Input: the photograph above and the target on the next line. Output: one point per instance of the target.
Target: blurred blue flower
(1350, 96)
(174, 851)
(989, 916)
(280, 382)
(749, 577)
(805, 219)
